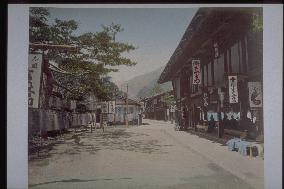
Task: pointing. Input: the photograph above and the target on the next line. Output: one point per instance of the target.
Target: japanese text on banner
(196, 72)
(34, 76)
(111, 107)
(233, 89)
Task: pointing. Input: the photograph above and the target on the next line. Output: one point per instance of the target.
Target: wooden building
(225, 43)
(56, 111)
(156, 108)
(134, 111)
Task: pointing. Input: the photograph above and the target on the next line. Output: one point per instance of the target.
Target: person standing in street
(233, 123)
(225, 122)
(211, 124)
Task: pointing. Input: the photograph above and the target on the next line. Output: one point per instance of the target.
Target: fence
(45, 120)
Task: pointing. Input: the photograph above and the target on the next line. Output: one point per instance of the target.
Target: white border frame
(17, 120)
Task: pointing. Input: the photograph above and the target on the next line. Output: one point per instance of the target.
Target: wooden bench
(202, 127)
(241, 134)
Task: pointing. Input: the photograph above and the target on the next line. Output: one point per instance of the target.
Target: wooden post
(114, 115)
(126, 117)
(92, 121)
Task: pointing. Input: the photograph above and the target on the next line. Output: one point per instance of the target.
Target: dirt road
(149, 156)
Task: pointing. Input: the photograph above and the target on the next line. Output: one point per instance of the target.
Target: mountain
(141, 86)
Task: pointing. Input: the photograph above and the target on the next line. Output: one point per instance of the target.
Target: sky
(155, 32)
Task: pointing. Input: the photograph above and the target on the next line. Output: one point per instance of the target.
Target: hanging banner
(155, 101)
(34, 75)
(233, 89)
(111, 107)
(104, 107)
(221, 97)
(216, 50)
(255, 94)
(172, 109)
(196, 78)
(205, 99)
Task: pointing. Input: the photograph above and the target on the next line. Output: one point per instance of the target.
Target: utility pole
(126, 120)
(115, 96)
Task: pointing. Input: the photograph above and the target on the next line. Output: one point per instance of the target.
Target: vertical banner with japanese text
(205, 99)
(34, 77)
(233, 89)
(111, 107)
(255, 94)
(216, 50)
(196, 72)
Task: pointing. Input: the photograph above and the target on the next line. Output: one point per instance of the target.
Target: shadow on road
(91, 143)
(77, 180)
(120, 139)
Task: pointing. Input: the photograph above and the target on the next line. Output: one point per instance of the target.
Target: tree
(257, 22)
(38, 27)
(97, 54)
(168, 99)
(156, 90)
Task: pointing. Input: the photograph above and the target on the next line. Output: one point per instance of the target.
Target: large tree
(98, 54)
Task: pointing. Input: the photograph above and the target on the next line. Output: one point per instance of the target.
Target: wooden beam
(50, 46)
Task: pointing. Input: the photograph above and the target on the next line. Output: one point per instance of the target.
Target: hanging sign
(196, 72)
(221, 97)
(172, 109)
(34, 75)
(104, 107)
(255, 94)
(216, 50)
(111, 107)
(233, 89)
(155, 101)
(205, 99)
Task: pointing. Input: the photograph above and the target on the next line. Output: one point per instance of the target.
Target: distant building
(134, 110)
(156, 108)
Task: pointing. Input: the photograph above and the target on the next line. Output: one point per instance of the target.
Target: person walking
(211, 124)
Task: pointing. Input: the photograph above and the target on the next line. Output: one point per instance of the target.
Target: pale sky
(155, 31)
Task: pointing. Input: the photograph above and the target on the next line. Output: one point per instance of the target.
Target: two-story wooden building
(226, 44)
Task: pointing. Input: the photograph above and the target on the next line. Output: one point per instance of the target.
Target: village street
(152, 155)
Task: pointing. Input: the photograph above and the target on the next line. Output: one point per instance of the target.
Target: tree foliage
(38, 28)
(257, 22)
(156, 90)
(168, 99)
(98, 52)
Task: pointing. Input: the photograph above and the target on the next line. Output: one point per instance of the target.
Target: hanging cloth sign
(172, 109)
(216, 50)
(111, 107)
(196, 72)
(34, 77)
(205, 99)
(255, 94)
(104, 107)
(233, 89)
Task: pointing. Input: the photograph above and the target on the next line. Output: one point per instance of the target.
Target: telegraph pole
(126, 120)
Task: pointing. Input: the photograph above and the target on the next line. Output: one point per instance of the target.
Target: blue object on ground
(239, 145)
(234, 144)
(243, 148)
